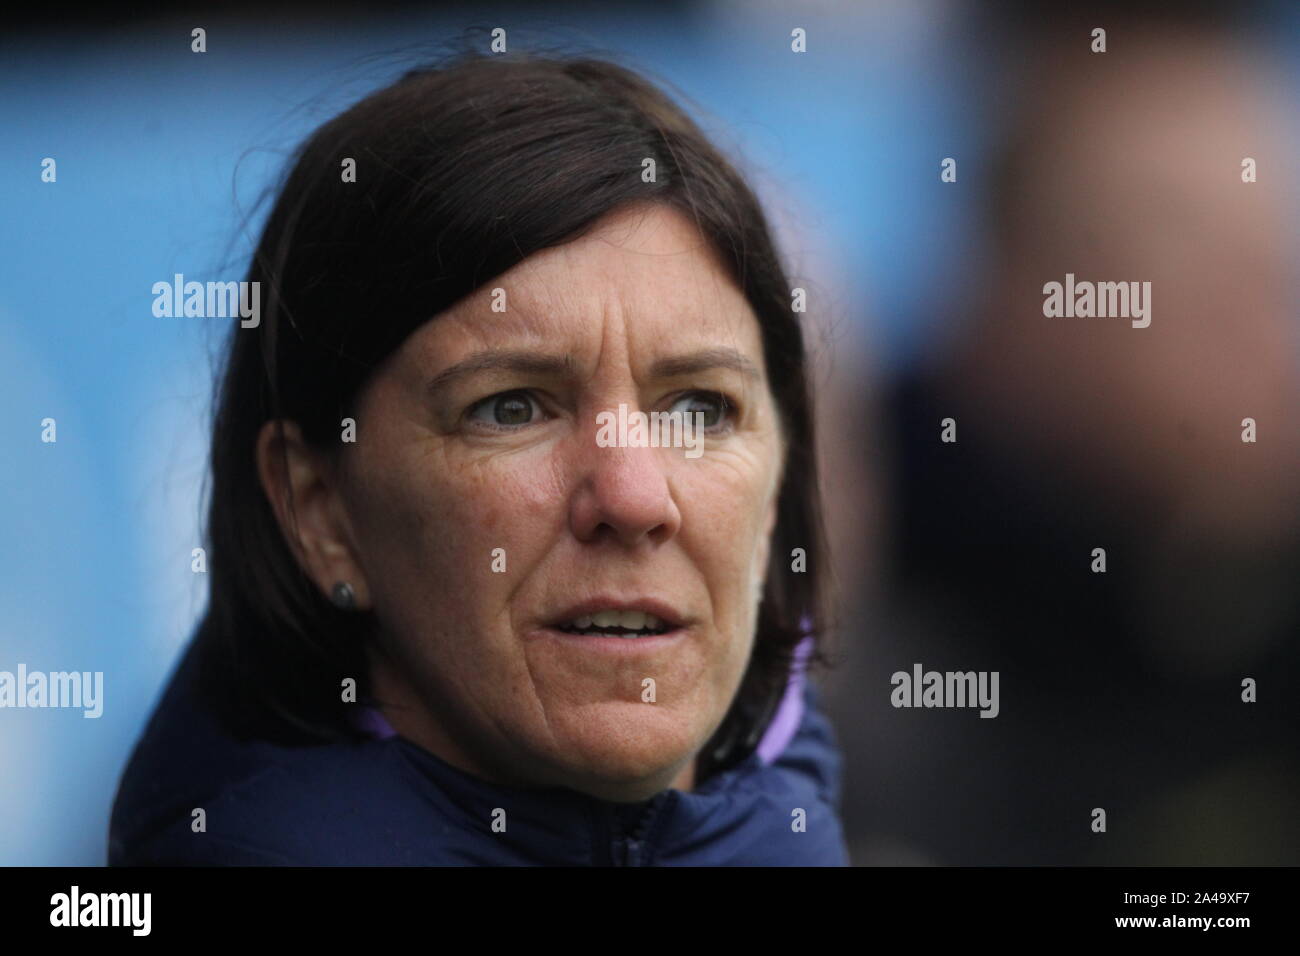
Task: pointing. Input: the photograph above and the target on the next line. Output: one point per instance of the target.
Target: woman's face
(493, 534)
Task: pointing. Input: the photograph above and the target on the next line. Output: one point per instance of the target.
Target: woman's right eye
(505, 410)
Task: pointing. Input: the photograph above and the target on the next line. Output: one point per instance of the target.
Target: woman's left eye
(713, 405)
(506, 410)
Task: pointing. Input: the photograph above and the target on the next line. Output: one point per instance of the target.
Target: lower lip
(613, 645)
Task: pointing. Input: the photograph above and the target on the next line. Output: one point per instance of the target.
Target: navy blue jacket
(387, 801)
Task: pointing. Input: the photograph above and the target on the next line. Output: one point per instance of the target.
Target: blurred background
(1119, 690)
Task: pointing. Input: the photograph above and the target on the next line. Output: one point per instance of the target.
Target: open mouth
(629, 624)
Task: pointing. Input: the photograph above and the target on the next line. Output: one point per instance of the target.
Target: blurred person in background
(1122, 690)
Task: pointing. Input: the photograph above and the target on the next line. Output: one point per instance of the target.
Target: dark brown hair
(463, 170)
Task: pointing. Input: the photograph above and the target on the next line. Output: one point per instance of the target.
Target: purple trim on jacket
(790, 712)
(373, 722)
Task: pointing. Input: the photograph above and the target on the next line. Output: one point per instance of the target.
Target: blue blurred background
(162, 155)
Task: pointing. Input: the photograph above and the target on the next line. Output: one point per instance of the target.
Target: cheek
(435, 526)
(724, 500)
(512, 501)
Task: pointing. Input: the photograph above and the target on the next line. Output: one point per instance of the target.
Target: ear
(303, 488)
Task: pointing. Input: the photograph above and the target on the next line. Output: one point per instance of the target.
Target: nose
(624, 496)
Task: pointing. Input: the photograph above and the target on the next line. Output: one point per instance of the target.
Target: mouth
(627, 619)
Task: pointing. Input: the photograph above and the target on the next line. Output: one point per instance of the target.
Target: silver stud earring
(343, 596)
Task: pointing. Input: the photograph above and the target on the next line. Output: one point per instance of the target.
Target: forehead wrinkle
(545, 292)
(560, 290)
(610, 311)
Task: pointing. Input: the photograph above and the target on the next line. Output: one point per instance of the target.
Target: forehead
(644, 275)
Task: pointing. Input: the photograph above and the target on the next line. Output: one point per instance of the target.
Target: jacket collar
(776, 807)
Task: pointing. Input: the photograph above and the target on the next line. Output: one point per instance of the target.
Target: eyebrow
(532, 363)
(703, 361)
(528, 363)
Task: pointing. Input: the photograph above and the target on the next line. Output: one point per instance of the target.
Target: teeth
(628, 620)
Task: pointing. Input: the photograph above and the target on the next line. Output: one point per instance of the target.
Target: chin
(633, 750)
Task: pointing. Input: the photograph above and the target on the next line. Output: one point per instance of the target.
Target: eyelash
(727, 409)
(487, 403)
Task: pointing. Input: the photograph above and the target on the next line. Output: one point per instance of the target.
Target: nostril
(623, 496)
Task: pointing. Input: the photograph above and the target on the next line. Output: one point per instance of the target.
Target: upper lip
(669, 615)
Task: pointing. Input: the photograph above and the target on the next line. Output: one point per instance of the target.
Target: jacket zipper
(633, 844)
(632, 853)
